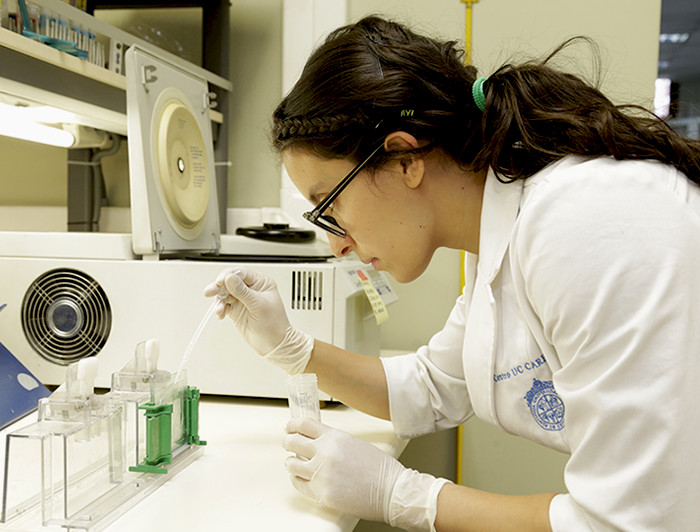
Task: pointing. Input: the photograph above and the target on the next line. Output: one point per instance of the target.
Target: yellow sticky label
(375, 300)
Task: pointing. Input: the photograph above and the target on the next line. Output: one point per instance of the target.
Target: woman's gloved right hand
(253, 303)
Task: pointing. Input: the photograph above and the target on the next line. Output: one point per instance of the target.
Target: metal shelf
(36, 73)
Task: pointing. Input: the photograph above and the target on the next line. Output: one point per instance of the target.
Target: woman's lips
(373, 261)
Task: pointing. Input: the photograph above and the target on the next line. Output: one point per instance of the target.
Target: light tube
(15, 122)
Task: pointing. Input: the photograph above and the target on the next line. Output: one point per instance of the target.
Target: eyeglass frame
(328, 223)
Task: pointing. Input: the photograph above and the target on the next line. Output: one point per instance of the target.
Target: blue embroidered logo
(545, 405)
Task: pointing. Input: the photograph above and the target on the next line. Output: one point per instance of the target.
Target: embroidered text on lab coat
(520, 369)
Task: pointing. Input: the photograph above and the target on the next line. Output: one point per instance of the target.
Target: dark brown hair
(376, 76)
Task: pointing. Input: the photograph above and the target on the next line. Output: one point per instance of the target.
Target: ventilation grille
(66, 316)
(307, 290)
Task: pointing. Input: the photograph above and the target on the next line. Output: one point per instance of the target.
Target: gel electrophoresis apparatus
(88, 457)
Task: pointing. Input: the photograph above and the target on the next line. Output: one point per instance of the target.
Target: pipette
(195, 337)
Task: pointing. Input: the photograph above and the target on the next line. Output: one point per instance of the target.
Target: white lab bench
(239, 482)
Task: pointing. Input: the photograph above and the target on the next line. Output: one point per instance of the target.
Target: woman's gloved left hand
(355, 477)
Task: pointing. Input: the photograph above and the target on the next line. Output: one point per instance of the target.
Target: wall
(625, 30)
(31, 174)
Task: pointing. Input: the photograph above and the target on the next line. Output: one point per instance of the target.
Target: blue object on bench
(20, 391)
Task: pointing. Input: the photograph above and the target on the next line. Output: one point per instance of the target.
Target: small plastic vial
(302, 391)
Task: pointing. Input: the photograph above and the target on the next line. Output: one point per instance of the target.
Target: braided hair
(371, 78)
(294, 126)
(376, 76)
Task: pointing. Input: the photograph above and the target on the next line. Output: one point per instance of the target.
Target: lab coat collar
(500, 207)
(499, 211)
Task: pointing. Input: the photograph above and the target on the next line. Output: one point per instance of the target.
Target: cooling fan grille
(307, 290)
(66, 316)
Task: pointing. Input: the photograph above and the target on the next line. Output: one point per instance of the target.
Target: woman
(579, 326)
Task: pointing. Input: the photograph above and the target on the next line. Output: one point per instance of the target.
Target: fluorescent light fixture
(49, 115)
(38, 133)
(662, 97)
(674, 38)
(26, 123)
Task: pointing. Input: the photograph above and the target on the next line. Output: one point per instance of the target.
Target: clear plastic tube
(195, 337)
(302, 392)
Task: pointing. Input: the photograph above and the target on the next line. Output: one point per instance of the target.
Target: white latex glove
(355, 477)
(253, 303)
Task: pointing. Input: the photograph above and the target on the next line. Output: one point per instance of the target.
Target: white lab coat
(579, 328)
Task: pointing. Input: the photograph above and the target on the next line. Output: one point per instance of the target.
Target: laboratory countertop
(239, 482)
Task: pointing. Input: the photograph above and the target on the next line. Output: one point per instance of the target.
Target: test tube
(302, 391)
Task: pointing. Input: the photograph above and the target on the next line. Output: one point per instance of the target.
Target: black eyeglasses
(328, 223)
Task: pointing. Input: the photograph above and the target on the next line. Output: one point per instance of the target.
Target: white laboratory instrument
(60, 310)
(171, 157)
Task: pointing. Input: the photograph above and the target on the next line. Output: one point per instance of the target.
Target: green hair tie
(478, 94)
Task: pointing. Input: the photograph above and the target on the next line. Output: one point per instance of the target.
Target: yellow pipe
(467, 60)
(468, 31)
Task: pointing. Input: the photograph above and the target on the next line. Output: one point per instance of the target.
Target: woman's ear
(411, 166)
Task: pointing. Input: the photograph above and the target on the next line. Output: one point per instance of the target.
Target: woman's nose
(340, 245)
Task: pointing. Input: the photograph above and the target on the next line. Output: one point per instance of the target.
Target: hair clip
(375, 40)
